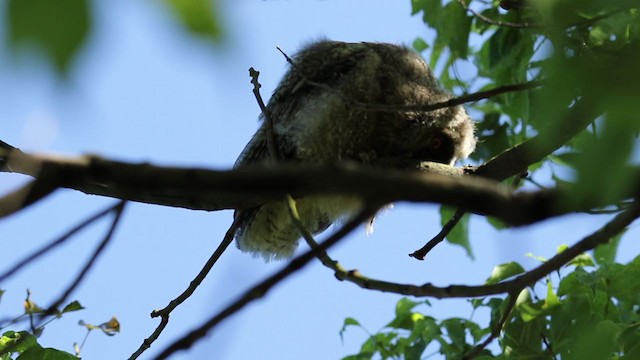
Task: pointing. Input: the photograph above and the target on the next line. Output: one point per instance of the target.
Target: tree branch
(166, 311)
(59, 241)
(83, 272)
(603, 235)
(263, 287)
(202, 189)
(517, 159)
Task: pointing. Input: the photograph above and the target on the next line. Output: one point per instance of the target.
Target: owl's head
(445, 137)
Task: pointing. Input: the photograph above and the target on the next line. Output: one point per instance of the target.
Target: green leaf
(536, 257)
(405, 318)
(504, 271)
(526, 308)
(455, 28)
(404, 306)
(552, 299)
(72, 306)
(523, 339)
(505, 56)
(605, 254)
(574, 282)
(58, 27)
(460, 233)
(198, 16)
(348, 322)
(23, 339)
(431, 11)
(420, 45)
(456, 331)
(596, 342)
(630, 338)
(414, 351)
(582, 260)
(46, 354)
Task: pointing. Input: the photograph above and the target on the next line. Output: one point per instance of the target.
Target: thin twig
(446, 229)
(549, 348)
(270, 133)
(601, 236)
(264, 286)
(166, 311)
(497, 328)
(498, 22)
(57, 242)
(85, 270)
(525, 25)
(463, 99)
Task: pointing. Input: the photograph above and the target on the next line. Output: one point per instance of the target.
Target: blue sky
(144, 91)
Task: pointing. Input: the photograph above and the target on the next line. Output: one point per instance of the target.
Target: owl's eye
(437, 147)
(436, 143)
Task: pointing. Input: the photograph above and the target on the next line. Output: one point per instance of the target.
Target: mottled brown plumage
(319, 124)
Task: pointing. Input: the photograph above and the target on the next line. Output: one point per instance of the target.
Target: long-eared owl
(316, 121)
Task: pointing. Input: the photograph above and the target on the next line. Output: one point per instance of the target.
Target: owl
(316, 121)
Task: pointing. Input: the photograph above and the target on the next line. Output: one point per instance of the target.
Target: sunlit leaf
(58, 28)
(38, 353)
(72, 306)
(504, 271)
(552, 299)
(19, 341)
(419, 44)
(348, 322)
(197, 16)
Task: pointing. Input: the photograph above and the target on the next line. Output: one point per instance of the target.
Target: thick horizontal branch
(202, 189)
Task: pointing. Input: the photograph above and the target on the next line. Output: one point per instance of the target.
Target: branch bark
(202, 189)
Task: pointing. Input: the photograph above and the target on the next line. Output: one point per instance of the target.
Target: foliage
(571, 46)
(580, 50)
(25, 342)
(589, 313)
(59, 29)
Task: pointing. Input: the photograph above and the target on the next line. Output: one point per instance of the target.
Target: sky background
(143, 90)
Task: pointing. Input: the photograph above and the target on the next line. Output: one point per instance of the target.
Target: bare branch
(59, 241)
(271, 138)
(83, 272)
(497, 328)
(603, 235)
(166, 311)
(480, 95)
(423, 251)
(263, 287)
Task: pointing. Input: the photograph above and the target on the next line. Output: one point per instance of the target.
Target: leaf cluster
(579, 50)
(24, 343)
(58, 30)
(588, 314)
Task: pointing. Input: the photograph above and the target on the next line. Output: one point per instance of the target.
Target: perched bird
(315, 121)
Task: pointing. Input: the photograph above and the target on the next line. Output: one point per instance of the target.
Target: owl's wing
(255, 151)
